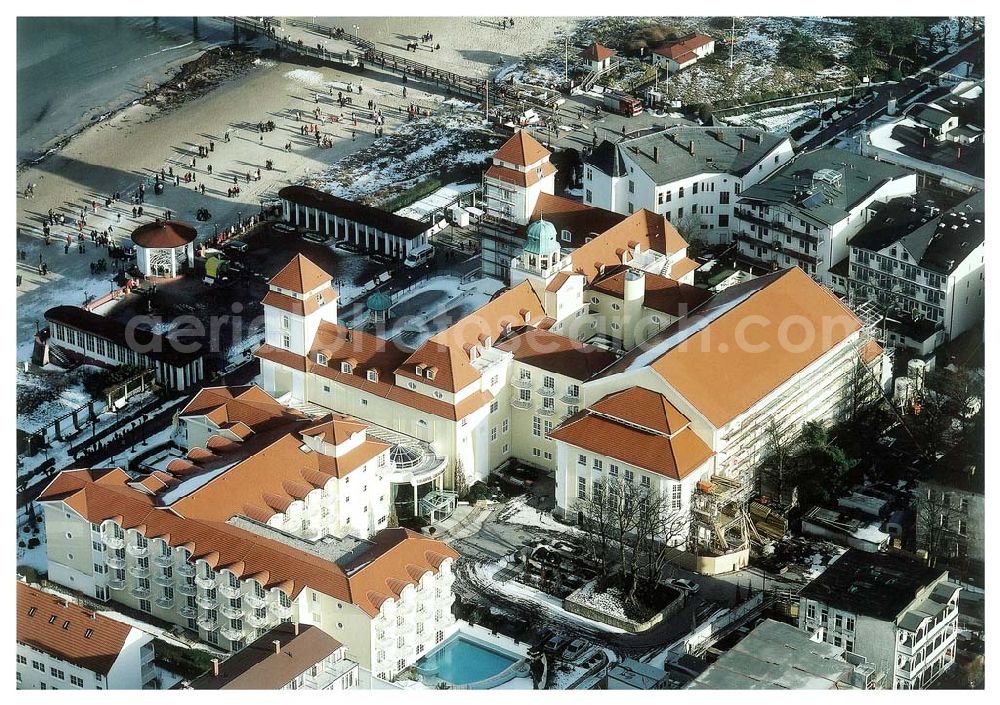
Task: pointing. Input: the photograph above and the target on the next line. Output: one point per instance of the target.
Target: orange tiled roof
(581, 220)
(104, 494)
(557, 353)
(870, 351)
(597, 52)
(746, 341)
(673, 450)
(645, 228)
(662, 294)
(521, 149)
(77, 635)
(448, 350)
(521, 178)
(298, 306)
(300, 275)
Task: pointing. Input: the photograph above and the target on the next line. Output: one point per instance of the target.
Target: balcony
(163, 561)
(546, 411)
(185, 569)
(520, 403)
(207, 602)
(115, 561)
(164, 580)
(231, 634)
(208, 623)
(188, 611)
(139, 571)
(206, 583)
(231, 590)
(113, 541)
(187, 589)
(256, 621)
(137, 550)
(546, 391)
(280, 611)
(140, 591)
(165, 601)
(521, 383)
(569, 399)
(230, 612)
(254, 601)
(116, 583)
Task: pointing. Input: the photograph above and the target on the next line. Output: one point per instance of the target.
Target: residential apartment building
(290, 656)
(62, 646)
(913, 259)
(951, 524)
(807, 212)
(691, 175)
(901, 616)
(387, 598)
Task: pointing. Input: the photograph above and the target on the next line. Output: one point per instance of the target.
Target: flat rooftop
(777, 656)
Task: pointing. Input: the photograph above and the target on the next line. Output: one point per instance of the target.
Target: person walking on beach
(227, 135)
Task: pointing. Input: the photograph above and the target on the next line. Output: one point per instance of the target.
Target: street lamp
(356, 31)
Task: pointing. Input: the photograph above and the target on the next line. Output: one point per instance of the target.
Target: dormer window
(321, 358)
(431, 372)
(319, 299)
(372, 375)
(566, 236)
(346, 368)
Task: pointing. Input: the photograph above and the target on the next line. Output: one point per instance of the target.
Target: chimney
(656, 154)
(277, 646)
(92, 615)
(925, 141)
(295, 628)
(959, 151)
(215, 667)
(759, 138)
(743, 144)
(691, 147)
(348, 335)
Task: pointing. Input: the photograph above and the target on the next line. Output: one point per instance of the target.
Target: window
(506, 426)
(38, 666)
(548, 427)
(631, 208)
(811, 611)
(493, 434)
(548, 403)
(582, 459)
(525, 395)
(536, 452)
(57, 673)
(286, 322)
(589, 196)
(838, 621)
(723, 198)
(372, 375)
(573, 391)
(723, 221)
(629, 475)
(850, 624)
(581, 488)
(612, 470)
(536, 426)
(345, 367)
(286, 341)
(566, 236)
(494, 406)
(694, 188)
(644, 480)
(631, 186)
(23, 660)
(675, 497)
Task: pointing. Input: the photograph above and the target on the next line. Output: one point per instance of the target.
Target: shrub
(33, 542)
(479, 491)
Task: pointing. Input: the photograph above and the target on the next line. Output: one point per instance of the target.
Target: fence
(711, 630)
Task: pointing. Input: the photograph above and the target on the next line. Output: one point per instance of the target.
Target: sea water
(72, 71)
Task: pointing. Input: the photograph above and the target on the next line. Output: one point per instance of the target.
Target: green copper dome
(542, 238)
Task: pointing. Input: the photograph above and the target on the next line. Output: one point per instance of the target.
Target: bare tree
(933, 519)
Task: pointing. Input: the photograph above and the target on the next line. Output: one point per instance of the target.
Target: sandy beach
(137, 143)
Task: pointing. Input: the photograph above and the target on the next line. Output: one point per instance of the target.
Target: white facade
(132, 669)
(705, 201)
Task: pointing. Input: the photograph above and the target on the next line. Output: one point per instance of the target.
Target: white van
(419, 256)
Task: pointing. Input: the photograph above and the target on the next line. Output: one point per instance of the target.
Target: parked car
(684, 585)
(575, 648)
(236, 246)
(555, 644)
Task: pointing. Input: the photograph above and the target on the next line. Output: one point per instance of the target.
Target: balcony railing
(188, 611)
(115, 561)
(521, 383)
(116, 583)
(569, 399)
(280, 611)
(163, 561)
(251, 599)
(256, 621)
(232, 634)
(231, 590)
(208, 623)
(164, 580)
(546, 411)
(139, 571)
(546, 391)
(113, 541)
(230, 612)
(186, 569)
(165, 601)
(207, 601)
(140, 591)
(520, 403)
(187, 589)
(206, 583)
(137, 550)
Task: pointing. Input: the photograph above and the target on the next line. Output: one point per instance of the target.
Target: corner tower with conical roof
(520, 171)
